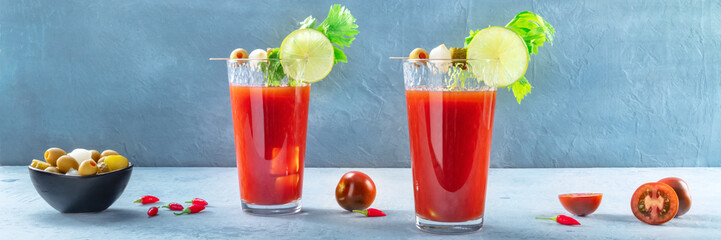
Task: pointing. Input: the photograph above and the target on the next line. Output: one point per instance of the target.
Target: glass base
(449, 227)
(271, 210)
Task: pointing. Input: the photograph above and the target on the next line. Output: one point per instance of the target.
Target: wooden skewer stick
(239, 59)
(401, 58)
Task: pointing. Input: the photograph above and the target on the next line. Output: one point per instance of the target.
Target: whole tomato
(355, 191)
(684, 196)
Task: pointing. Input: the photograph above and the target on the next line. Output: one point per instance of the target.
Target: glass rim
(282, 85)
(441, 59)
(253, 59)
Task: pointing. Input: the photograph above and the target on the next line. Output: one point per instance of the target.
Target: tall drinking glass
(450, 123)
(270, 117)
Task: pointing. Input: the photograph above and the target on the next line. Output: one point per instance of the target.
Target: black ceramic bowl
(80, 194)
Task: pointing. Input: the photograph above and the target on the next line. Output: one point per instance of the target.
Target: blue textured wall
(632, 83)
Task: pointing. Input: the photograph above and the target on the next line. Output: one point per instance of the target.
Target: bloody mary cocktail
(450, 125)
(450, 141)
(270, 130)
(451, 99)
(269, 91)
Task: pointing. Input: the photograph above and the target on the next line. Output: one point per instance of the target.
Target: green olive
(108, 153)
(66, 162)
(116, 162)
(34, 163)
(52, 155)
(88, 167)
(239, 53)
(39, 164)
(52, 170)
(418, 53)
(103, 168)
(95, 155)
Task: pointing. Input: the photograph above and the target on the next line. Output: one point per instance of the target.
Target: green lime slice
(501, 56)
(306, 55)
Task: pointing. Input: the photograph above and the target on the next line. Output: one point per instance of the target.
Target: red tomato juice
(270, 130)
(450, 141)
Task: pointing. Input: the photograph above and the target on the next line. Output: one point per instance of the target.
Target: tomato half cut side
(581, 204)
(654, 203)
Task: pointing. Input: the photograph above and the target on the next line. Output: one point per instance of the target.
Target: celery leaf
(470, 38)
(533, 29)
(339, 26)
(339, 55)
(309, 22)
(520, 89)
(273, 69)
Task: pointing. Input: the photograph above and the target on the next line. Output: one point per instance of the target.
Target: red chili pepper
(191, 209)
(198, 201)
(371, 212)
(174, 207)
(147, 199)
(562, 219)
(153, 211)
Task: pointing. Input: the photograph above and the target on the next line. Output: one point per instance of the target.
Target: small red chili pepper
(153, 211)
(371, 212)
(562, 219)
(147, 199)
(198, 201)
(191, 209)
(174, 207)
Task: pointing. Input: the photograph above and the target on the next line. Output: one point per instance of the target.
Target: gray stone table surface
(514, 198)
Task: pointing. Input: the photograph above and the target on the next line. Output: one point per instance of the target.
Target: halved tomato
(654, 203)
(580, 204)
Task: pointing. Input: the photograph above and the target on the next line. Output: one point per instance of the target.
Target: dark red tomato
(355, 191)
(684, 196)
(581, 204)
(654, 203)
